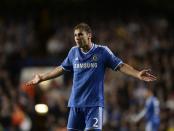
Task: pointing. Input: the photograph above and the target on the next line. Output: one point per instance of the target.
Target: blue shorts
(85, 118)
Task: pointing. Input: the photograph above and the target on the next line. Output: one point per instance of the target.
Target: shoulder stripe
(108, 50)
(121, 62)
(74, 47)
(64, 68)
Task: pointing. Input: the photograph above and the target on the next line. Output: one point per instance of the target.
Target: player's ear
(90, 35)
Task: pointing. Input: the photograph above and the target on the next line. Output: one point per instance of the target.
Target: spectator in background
(151, 111)
(55, 47)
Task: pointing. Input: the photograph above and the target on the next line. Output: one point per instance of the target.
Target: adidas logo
(76, 58)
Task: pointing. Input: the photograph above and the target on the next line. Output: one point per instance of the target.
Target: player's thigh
(76, 120)
(148, 126)
(152, 126)
(94, 119)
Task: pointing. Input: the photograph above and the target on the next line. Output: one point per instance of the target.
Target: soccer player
(88, 62)
(151, 111)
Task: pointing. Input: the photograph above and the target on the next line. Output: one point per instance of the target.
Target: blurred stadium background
(36, 35)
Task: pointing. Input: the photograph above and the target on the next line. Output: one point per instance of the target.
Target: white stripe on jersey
(106, 48)
(118, 65)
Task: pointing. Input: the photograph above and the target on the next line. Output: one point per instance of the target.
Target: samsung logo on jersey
(85, 65)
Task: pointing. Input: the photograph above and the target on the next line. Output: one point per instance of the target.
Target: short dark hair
(83, 26)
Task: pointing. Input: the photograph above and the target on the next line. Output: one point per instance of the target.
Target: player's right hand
(34, 81)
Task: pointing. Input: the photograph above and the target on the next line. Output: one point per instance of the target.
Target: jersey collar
(89, 50)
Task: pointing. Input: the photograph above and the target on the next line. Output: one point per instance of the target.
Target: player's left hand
(146, 75)
(133, 119)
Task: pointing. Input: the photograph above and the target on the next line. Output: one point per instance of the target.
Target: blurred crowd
(140, 42)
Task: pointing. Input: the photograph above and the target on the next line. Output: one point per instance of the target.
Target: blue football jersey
(88, 74)
(152, 110)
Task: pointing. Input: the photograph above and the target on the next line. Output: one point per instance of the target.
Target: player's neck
(87, 47)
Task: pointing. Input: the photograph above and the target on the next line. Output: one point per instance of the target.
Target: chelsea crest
(94, 58)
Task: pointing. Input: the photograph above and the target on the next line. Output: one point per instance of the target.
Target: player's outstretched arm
(47, 76)
(144, 75)
(138, 117)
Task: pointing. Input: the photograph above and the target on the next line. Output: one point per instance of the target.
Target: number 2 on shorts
(96, 122)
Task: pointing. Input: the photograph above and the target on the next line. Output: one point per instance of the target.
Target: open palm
(34, 81)
(146, 76)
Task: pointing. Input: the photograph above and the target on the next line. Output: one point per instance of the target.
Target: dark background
(26, 28)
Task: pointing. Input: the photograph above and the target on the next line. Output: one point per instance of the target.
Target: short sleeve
(111, 61)
(67, 63)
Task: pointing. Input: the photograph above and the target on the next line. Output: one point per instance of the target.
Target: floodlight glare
(41, 108)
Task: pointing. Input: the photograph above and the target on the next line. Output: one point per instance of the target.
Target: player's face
(82, 38)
